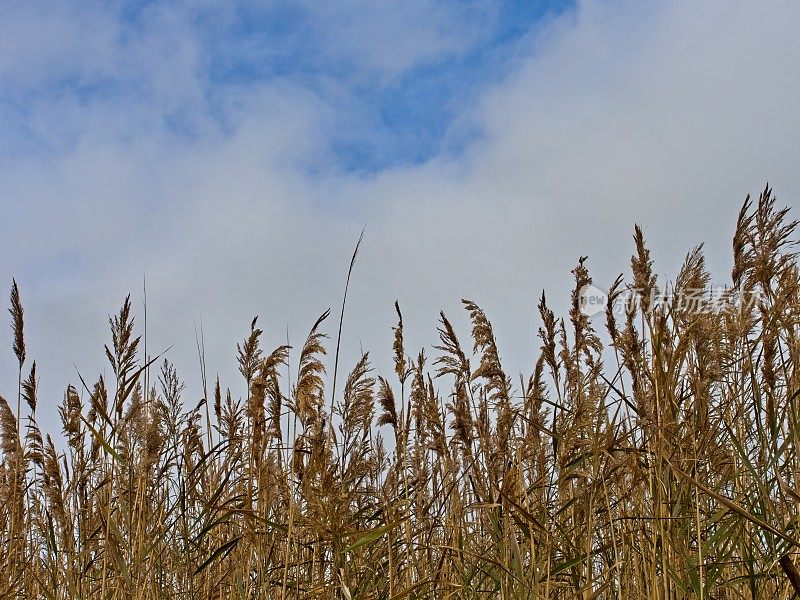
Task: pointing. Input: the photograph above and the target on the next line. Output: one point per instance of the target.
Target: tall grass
(650, 454)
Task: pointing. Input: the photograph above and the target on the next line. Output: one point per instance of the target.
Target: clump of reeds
(651, 453)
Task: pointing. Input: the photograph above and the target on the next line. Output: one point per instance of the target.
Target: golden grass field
(649, 454)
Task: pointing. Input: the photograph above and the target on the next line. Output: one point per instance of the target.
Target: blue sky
(396, 75)
(231, 153)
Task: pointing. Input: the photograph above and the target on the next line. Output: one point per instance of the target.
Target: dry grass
(663, 464)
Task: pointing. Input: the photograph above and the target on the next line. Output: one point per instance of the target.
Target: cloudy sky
(231, 152)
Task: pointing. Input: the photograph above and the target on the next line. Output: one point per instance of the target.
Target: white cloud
(664, 114)
(391, 37)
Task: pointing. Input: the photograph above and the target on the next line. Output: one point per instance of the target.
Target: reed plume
(657, 457)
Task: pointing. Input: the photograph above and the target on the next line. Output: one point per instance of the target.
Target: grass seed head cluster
(652, 453)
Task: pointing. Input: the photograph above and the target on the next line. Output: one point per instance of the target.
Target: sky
(230, 153)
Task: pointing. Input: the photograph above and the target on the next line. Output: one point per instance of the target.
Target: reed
(652, 452)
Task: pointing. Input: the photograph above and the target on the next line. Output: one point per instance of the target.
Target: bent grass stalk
(657, 459)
